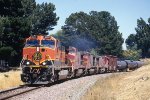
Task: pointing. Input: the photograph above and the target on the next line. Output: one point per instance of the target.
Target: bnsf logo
(37, 56)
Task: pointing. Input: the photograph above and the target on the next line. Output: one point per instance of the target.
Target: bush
(7, 54)
(132, 54)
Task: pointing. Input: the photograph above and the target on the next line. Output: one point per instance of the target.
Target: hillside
(133, 85)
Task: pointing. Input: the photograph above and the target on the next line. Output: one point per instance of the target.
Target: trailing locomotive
(46, 60)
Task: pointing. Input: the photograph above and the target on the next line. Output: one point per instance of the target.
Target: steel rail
(9, 93)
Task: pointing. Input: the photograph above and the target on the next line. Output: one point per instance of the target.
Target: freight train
(46, 60)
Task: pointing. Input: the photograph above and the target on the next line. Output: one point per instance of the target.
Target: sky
(126, 12)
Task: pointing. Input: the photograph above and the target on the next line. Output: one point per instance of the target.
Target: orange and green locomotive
(40, 55)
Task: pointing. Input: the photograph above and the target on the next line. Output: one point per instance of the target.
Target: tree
(143, 37)
(62, 37)
(7, 54)
(131, 42)
(141, 40)
(15, 26)
(44, 18)
(21, 18)
(99, 29)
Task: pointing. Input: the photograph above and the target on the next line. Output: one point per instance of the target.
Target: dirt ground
(10, 79)
(133, 85)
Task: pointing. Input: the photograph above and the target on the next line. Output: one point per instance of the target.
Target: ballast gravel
(68, 90)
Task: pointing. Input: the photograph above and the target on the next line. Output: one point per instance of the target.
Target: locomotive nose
(37, 56)
(43, 50)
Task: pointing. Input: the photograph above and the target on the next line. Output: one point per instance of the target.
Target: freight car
(126, 65)
(46, 60)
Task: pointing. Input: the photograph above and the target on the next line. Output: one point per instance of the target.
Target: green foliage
(7, 52)
(99, 30)
(11, 8)
(143, 37)
(18, 20)
(15, 27)
(132, 54)
(93, 51)
(131, 42)
(44, 18)
(62, 37)
(141, 40)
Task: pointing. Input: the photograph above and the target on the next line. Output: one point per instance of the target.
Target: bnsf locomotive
(46, 60)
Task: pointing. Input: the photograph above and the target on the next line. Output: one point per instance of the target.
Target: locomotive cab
(39, 49)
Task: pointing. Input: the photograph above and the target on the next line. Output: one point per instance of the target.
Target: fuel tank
(121, 65)
(139, 63)
(131, 64)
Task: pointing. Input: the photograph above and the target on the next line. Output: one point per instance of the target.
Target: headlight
(28, 63)
(44, 63)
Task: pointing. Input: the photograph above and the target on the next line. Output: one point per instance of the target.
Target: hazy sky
(126, 12)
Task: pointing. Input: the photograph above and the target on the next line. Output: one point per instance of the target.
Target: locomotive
(46, 60)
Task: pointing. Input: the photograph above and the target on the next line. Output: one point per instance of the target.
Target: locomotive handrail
(21, 62)
(51, 61)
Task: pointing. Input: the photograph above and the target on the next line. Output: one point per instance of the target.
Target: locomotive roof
(41, 37)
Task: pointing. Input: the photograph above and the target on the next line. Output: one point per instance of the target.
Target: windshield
(72, 50)
(32, 43)
(48, 43)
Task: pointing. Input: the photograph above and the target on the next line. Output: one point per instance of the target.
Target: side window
(71, 50)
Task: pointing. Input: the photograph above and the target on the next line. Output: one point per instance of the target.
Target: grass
(133, 85)
(10, 79)
(104, 89)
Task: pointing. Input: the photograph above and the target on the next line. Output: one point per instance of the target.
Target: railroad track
(17, 91)
(7, 94)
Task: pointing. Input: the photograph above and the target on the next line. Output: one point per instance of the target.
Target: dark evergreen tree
(44, 18)
(141, 40)
(143, 37)
(131, 42)
(18, 20)
(16, 26)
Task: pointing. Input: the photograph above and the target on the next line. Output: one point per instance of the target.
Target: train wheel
(75, 73)
(95, 71)
(88, 72)
(102, 70)
(70, 74)
(106, 70)
(54, 78)
(84, 72)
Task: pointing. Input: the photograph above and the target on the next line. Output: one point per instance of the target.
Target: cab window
(48, 43)
(32, 43)
(72, 50)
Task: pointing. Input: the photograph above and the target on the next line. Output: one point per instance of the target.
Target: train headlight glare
(44, 63)
(28, 63)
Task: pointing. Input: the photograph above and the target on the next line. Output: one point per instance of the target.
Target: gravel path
(68, 90)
